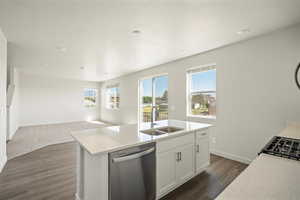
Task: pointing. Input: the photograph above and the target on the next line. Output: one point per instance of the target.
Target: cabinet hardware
(197, 148)
(203, 134)
(179, 156)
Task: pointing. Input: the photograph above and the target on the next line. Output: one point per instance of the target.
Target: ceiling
(94, 40)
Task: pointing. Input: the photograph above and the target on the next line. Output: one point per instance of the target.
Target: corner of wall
(3, 82)
(231, 156)
(13, 103)
(3, 161)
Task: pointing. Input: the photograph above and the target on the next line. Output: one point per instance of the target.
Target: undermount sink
(169, 129)
(153, 132)
(162, 130)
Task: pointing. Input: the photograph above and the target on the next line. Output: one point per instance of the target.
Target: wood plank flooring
(49, 174)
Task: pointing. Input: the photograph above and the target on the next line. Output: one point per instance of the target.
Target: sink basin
(154, 132)
(162, 130)
(169, 129)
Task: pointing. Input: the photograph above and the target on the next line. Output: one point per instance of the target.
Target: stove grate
(283, 147)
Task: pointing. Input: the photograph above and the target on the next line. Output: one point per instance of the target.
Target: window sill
(90, 107)
(210, 118)
(112, 108)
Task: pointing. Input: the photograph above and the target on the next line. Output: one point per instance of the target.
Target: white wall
(256, 93)
(13, 109)
(45, 100)
(3, 77)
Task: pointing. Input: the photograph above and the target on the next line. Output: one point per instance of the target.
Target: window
(153, 99)
(112, 97)
(202, 92)
(90, 97)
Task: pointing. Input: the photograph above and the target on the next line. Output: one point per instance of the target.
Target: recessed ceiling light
(136, 32)
(244, 31)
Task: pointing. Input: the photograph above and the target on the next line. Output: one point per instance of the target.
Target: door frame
(139, 117)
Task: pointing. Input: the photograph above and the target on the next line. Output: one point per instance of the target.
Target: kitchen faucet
(152, 117)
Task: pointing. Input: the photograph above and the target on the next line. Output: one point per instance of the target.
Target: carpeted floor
(31, 138)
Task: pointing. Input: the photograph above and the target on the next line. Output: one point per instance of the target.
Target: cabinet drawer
(169, 144)
(202, 133)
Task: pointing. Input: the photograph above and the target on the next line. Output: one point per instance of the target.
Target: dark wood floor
(49, 174)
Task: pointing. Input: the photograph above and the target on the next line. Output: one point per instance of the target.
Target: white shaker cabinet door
(185, 168)
(166, 172)
(202, 154)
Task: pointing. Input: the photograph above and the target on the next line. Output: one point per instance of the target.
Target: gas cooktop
(283, 147)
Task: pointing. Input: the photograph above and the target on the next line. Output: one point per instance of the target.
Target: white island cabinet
(180, 159)
(175, 162)
(180, 155)
(202, 150)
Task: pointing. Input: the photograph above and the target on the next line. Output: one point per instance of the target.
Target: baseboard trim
(231, 156)
(22, 125)
(2, 163)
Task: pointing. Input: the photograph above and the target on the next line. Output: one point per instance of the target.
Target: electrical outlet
(214, 140)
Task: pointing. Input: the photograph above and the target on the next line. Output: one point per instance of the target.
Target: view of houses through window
(112, 97)
(202, 92)
(154, 99)
(90, 97)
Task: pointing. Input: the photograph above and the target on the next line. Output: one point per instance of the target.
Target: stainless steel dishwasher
(132, 173)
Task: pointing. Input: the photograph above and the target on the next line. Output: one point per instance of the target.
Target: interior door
(186, 166)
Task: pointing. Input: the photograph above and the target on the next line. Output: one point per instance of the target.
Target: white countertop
(109, 139)
(268, 177)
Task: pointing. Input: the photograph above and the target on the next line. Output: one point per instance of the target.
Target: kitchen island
(179, 155)
(268, 177)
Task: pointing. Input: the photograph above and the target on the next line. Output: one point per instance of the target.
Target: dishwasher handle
(133, 156)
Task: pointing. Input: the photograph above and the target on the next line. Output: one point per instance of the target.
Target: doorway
(153, 98)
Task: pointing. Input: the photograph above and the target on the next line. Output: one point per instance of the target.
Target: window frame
(189, 72)
(96, 97)
(117, 105)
